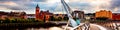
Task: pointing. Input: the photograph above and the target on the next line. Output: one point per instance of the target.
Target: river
(32, 28)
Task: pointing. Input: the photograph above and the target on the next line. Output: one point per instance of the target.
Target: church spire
(37, 6)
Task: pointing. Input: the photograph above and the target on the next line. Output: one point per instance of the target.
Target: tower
(37, 12)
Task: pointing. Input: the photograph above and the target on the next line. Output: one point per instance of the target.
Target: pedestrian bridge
(84, 26)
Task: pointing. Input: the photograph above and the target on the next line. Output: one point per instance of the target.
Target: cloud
(115, 4)
(84, 5)
(16, 8)
(9, 3)
(24, 0)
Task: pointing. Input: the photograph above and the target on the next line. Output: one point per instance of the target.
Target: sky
(54, 6)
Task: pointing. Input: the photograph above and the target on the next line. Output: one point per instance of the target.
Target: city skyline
(88, 6)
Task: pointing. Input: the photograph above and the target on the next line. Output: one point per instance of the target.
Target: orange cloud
(115, 9)
(9, 3)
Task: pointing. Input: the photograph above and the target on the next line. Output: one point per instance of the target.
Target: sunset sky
(88, 6)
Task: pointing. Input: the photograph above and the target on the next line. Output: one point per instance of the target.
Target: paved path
(94, 27)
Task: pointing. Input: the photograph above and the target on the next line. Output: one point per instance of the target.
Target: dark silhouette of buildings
(12, 15)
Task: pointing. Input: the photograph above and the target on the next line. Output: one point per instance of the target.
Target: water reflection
(33, 28)
(36, 29)
(55, 28)
(51, 28)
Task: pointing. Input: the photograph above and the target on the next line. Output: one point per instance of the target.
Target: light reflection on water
(51, 28)
(36, 29)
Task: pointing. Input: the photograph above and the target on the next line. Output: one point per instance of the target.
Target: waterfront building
(12, 15)
(45, 15)
(103, 13)
(60, 15)
(42, 15)
(3, 15)
(90, 15)
(21, 15)
(30, 15)
(116, 16)
(79, 14)
(37, 12)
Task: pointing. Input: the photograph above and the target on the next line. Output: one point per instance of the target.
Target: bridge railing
(80, 27)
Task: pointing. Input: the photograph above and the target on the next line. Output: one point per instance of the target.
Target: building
(12, 15)
(21, 15)
(90, 15)
(116, 16)
(37, 12)
(17, 15)
(60, 15)
(30, 15)
(42, 15)
(79, 14)
(103, 13)
(45, 15)
(3, 15)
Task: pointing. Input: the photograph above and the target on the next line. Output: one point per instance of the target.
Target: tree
(101, 18)
(52, 18)
(59, 18)
(65, 18)
(7, 20)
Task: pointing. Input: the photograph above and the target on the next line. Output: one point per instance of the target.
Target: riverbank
(26, 25)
